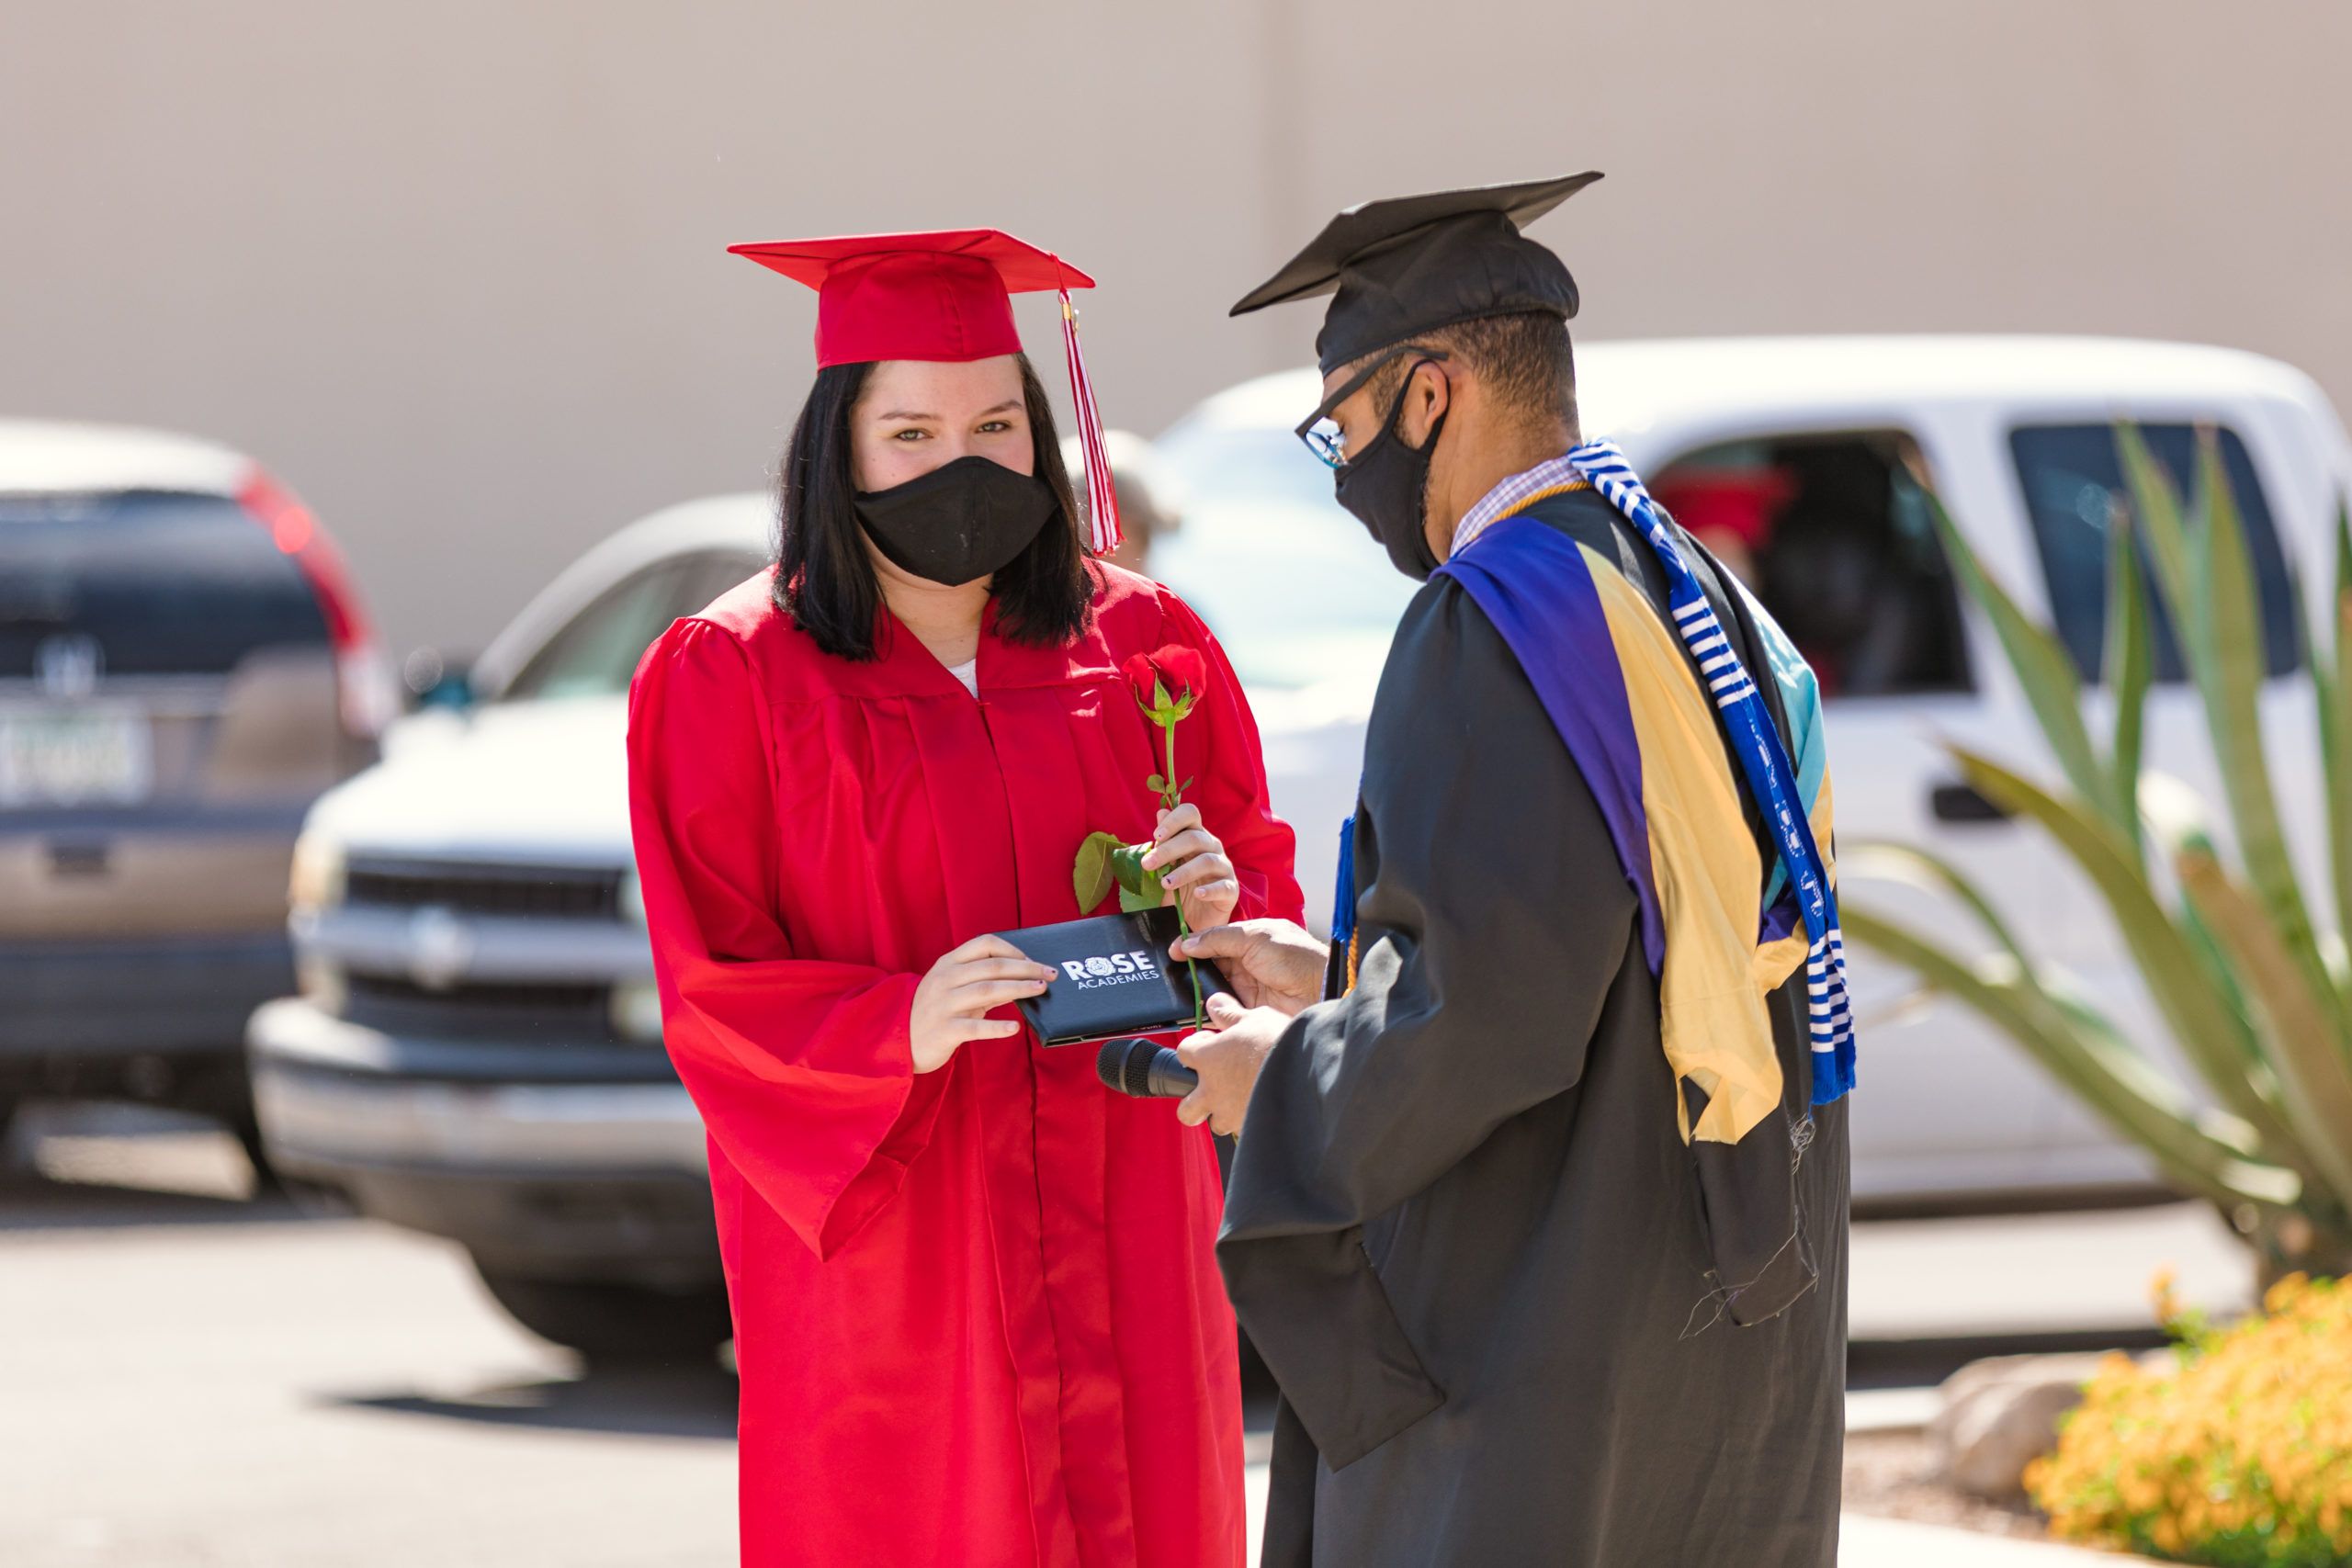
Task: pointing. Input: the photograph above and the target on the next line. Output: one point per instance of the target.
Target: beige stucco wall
(454, 266)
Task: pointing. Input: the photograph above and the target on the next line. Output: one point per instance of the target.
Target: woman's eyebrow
(1008, 403)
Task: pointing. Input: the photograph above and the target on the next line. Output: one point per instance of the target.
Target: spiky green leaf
(2228, 615)
(2298, 1021)
(2156, 508)
(2212, 1035)
(2335, 726)
(2044, 670)
(2068, 1040)
(2128, 662)
(2176, 816)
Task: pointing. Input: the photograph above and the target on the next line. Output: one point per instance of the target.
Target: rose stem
(1173, 797)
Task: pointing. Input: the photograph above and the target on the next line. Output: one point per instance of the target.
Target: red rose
(1180, 671)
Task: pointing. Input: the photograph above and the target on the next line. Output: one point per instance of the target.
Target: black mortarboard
(1413, 264)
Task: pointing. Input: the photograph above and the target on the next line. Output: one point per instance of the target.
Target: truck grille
(552, 892)
(554, 1013)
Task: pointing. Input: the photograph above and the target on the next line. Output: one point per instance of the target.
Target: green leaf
(2211, 1033)
(2228, 614)
(2335, 726)
(2155, 506)
(2118, 1058)
(1185, 786)
(2238, 1162)
(2087, 1055)
(1139, 888)
(1090, 879)
(2315, 1079)
(1883, 861)
(1157, 785)
(2128, 662)
(2044, 670)
(2176, 815)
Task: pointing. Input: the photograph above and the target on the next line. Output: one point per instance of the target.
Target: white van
(1845, 436)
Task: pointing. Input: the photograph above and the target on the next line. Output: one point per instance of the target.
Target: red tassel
(1102, 497)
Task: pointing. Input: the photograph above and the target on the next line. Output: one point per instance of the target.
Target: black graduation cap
(1413, 264)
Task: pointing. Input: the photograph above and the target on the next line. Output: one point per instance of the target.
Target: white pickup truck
(475, 1051)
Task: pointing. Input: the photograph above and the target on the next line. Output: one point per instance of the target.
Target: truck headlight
(636, 1011)
(317, 880)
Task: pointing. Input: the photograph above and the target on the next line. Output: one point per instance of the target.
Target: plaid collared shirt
(1552, 474)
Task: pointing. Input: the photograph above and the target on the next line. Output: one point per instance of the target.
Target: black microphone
(1143, 1069)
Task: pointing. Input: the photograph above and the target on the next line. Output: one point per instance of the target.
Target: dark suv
(182, 668)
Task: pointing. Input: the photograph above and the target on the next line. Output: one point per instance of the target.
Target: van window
(595, 652)
(1834, 534)
(2074, 483)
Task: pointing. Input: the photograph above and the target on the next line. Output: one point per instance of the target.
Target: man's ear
(1427, 394)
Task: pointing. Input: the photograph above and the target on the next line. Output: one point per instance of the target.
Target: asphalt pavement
(190, 1379)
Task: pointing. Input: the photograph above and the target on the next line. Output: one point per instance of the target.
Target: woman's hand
(986, 971)
(1201, 876)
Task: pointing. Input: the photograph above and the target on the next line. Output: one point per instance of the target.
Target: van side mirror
(437, 681)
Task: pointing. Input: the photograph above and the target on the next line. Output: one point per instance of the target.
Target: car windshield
(1286, 579)
(595, 652)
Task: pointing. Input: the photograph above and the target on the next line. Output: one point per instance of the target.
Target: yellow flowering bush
(2239, 1455)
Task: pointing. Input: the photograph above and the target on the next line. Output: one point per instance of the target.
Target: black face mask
(961, 522)
(1386, 486)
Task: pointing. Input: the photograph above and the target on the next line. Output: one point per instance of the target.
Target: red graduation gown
(978, 1315)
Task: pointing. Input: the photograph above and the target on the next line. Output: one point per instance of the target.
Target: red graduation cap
(944, 296)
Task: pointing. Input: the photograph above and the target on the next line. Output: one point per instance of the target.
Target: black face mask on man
(961, 522)
(1386, 486)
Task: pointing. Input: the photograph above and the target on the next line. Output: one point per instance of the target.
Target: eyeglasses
(1321, 437)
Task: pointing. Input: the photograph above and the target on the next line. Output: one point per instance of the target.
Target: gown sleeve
(1230, 764)
(1494, 925)
(801, 1069)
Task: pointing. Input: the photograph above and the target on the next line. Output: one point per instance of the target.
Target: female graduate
(978, 1316)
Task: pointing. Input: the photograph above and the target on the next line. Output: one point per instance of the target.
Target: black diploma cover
(1116, 979)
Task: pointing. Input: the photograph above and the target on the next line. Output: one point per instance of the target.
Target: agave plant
(2253, 988)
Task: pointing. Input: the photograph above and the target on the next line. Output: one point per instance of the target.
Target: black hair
(825, 579)
(1524, 360)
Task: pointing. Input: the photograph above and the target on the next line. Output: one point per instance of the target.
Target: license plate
(79, 757)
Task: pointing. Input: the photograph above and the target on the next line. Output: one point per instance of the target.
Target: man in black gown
(1517, 1314)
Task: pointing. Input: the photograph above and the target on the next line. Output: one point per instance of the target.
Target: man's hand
(1272, 963)
(1228, 1057)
